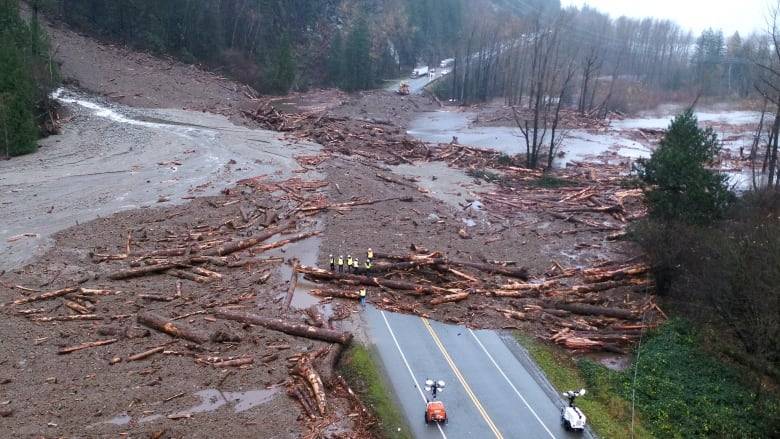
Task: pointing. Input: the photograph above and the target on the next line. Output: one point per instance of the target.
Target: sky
(744, 16)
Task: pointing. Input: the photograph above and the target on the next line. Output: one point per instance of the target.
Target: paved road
(489, 393)
(416, 85)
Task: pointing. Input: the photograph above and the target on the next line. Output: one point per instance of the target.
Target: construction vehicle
(571, 416)
(404, 89)
(435, 410)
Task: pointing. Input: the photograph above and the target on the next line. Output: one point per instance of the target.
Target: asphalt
(492, 390)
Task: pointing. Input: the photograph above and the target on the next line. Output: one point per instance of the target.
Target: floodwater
(580, 144)
(442, 126)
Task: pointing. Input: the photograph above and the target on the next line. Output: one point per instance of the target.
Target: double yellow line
(462, 380)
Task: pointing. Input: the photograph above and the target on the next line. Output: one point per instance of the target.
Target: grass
(361, 369)
(681, 390)
(609, 415)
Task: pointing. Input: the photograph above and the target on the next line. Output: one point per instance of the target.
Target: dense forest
(276, 45)
(26, 76)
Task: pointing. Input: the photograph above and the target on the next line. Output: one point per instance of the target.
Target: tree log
(46, 296)
(318, 273)
(291, 328)
(181, 274)
(142, 271)
(588, 310)
(457, 297)
(244, 244)
(306, 371)
(292, 285)
(177, 330)
(87, 345)
(146, 354)
(339, 294)
(437, 259)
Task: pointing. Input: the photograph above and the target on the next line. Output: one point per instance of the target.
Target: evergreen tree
(682, 188)
(357, 58)
(18, 132)
(284, 70)
(336, 61)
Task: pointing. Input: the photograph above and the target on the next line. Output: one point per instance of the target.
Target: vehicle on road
(435, 410)
(571, 416)
(447, 62)
(419, 71)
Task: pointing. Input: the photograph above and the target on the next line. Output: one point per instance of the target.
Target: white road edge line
(409, 368)
(492, 360)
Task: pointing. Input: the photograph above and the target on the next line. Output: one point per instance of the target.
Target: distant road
(490, 392)
(418, 84)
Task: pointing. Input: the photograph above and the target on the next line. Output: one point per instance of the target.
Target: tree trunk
(292, 328)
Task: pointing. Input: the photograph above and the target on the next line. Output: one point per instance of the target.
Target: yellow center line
(462, 380)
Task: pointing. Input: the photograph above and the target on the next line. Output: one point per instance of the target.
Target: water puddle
(213, 399)
(210, 400)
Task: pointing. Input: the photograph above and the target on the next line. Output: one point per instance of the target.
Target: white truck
(419, 71)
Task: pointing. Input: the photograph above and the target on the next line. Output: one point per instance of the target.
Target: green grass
(681, 390)
(361, 369)
(609, 415)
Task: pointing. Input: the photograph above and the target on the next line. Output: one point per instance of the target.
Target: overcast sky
(730, 15)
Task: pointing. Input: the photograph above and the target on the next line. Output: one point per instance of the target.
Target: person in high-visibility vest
(332, 262)
(362, 295)
(349, 262)
(370, 254)
(341, 263)
(368, 265)
(355, 265)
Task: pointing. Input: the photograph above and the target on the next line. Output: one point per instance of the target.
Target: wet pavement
(492, 388)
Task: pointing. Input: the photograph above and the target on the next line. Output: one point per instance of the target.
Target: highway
(417, 85)
(492, 389)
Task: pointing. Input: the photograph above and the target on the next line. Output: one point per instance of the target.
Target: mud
(111, 158)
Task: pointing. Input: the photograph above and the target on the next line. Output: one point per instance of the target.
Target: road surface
(418, 84)
(491, 392)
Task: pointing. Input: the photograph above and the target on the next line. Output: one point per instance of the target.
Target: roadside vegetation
(715, 257)
(26, 77)
(609, 415)
(363, 373)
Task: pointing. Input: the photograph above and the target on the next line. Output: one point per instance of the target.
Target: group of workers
(353, 266)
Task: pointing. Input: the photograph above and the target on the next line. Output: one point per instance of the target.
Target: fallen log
(436, 259)
(283, 242)
(177, 330)
(339, 294)
(308, 406)
(87, 345)
(291, 328)
(305, 370)
(584, 309)
(77, 317)
(608, 285)
(146, 354)
(142, 271)
(318, 273)
(46, 296)
(315, 316)
(244, 244)
(238, 362)
(456, 297)
(292, 285)
(338, 206)
(595, 275)
(181, 274)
